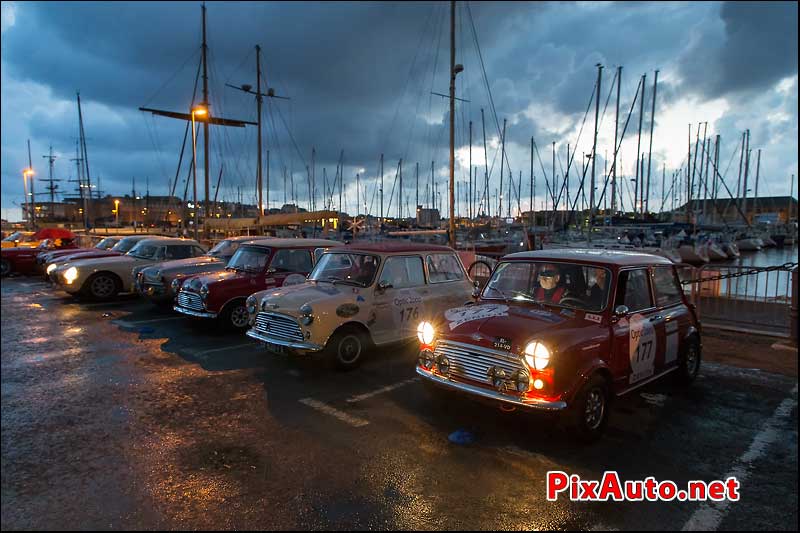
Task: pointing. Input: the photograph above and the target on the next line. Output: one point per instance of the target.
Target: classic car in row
(565, 331)
(154, 282)
(48, 257)
(358, 297)
(102, 278)
(22, 259)
(122, 247)
(256, 265)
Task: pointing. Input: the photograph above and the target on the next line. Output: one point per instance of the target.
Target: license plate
(276, 348)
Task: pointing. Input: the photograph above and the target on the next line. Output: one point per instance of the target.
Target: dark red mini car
(565, 331)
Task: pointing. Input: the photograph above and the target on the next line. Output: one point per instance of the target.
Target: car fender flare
(591, 368)
(355, 324)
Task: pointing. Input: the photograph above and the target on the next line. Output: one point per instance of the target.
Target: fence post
(793, 312)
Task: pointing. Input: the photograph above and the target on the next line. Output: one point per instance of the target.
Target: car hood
(118, 261)
(191, 265)
(289, 299)
(86, 254)
(486, 323)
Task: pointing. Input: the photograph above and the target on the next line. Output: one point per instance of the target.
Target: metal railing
(745, 298)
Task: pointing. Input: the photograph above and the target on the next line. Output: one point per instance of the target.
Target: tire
(689, 366)
(346, 348)
(590, 411)
(234, 316)
(102, 286)
(5, 268)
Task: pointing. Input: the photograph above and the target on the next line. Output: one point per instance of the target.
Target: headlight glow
(71, 275)
(426, 332)
(50, 268)
(251, 304)
(537, 355)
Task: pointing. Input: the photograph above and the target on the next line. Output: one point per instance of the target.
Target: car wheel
(102, 286)
(689, 366)
(5, 267)
(346, 348)
(235, 316)
(590, 410)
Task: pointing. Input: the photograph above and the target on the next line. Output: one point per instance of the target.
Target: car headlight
(306, 314)
(204, 291)
(251, 304)
(70, 275)
(50, 268)
(175, 285)
(537, 355)
(426, 332)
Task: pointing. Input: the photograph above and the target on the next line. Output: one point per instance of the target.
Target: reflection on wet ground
(119, 416)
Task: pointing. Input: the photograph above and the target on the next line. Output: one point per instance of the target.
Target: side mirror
(383, 285)
(271, 270)
(476, 289)
(621, 310)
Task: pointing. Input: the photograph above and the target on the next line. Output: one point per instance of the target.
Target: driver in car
(549, 290)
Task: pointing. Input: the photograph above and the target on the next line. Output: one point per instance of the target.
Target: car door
(673, 318)
(399, 299)
(636, 338)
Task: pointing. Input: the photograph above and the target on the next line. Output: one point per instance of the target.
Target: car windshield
(125, 245)
(549, 283)
(145, 251)
(249, 259)
(224, 249)
(106, 243)
(354, 269)
(19, 236)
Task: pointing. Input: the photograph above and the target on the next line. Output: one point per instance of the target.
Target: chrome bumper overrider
(531, 404)
(198, 314)
(308, 346)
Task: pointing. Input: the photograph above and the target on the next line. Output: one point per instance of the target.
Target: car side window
(633, 290)
(180, 252)
(444, 267)
(288, 260)
(403, 272)
(668, 289)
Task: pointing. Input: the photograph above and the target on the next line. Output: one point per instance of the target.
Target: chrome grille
(190, 300)
(473, 362)
(278, 326)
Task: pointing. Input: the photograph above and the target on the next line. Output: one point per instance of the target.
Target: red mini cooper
(565, 331)
(257, 265)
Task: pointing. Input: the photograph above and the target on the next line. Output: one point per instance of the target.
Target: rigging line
(608, 98)
(639, 88)
(299, 153)
(171, 78)
(438, 33)
(239, 66)
(408, 79)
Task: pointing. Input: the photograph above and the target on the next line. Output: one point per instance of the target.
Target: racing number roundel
(641, 348)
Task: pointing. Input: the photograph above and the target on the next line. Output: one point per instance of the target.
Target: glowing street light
(116, 211)
(28, 173)
(197, 111)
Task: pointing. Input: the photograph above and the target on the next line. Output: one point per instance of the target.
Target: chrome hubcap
(692, 361)
(595, 408)
(103, 286)
(349, 349)
(5, 268)
(239, 317)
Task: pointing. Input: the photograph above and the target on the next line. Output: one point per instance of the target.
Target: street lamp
(199, 111)
(28, 173)
(116, 212)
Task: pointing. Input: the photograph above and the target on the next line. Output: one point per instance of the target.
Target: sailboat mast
(452, 121)
(85, 158)
(758, 169)
(485, 166)
(650, 152)
(746, 173)
(639, 183)
(594, 148)
(207, 209)
(258, 105)
(616, 148)
(469, 200)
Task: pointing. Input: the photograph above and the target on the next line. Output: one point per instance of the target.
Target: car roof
(592, 255)
(293, 243)
(169, 240)
(240, 238)
(398, 247)
(142, 237)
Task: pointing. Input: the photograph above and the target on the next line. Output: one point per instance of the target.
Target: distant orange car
(22, 239)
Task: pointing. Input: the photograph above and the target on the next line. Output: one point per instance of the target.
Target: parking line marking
(336, 413)
(387, 388)
(137, 322)
(709, 516)
(223, 348)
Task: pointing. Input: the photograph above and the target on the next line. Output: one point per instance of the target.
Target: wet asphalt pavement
(121, 415)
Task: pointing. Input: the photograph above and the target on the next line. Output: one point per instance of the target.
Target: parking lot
(122, 415)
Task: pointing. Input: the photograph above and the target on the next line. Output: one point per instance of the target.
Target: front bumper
(306, 346)
(190, 312)
(530, 404)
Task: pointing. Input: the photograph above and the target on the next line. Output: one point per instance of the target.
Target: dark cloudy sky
(360, 77)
